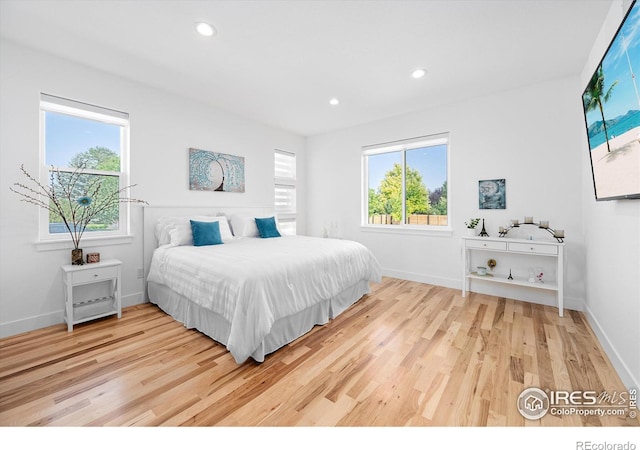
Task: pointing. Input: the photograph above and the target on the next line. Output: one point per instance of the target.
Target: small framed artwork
(492, 194)
(211, 171)
(93, 258)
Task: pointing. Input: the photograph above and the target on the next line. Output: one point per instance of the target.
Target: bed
(251, 294)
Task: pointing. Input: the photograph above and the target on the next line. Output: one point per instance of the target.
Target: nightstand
(91, 291)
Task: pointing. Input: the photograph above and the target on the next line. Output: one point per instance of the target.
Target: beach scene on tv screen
(612, 110)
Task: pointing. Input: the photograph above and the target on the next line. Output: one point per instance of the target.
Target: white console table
(536, 249)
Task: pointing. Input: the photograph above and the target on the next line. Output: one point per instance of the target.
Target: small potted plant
(471, 226)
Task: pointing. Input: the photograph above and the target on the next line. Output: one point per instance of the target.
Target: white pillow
(225, 230)
(163, 226)
(180, 234)
(244, 225)
(177, 230)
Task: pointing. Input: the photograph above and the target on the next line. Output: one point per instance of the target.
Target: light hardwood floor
(408, 354)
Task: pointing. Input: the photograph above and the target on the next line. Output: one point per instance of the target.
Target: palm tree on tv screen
(594, 98)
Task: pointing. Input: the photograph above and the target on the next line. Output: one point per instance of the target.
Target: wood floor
(408, 354)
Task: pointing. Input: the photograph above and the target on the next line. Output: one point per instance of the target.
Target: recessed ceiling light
(418, 73)
(334, 101)
(205, 29)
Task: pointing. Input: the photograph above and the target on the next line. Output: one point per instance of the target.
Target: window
(285, 190)
(406, 183)
(75, 136)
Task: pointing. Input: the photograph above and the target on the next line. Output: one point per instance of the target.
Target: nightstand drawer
(96, 274)
(540, 249)
(489, 245)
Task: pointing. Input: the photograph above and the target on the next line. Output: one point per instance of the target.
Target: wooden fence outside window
(414, 219)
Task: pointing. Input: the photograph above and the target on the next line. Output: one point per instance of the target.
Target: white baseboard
(422, 278)
(31, 323)
(54, 318)
(133, 299)
(616, 360)
(576, 304)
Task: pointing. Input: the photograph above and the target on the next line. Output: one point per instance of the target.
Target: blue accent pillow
(267, 227)
(205, 233)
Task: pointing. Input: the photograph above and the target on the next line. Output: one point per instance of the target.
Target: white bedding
(254, 282)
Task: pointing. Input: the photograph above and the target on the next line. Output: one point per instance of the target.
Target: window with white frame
(93, 142)
(406, 183)
(285, 190)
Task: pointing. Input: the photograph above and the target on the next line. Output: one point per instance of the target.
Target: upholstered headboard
(151, 215)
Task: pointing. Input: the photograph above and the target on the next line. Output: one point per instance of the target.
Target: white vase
(471, 231)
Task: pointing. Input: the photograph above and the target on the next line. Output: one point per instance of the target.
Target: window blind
(285, 190)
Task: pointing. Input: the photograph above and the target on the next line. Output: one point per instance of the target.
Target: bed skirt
(283, 331)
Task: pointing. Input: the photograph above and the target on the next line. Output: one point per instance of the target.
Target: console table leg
(561, 281)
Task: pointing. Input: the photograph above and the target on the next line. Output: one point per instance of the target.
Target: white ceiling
(279, 62)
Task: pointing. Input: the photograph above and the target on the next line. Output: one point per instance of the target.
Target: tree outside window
(407, 185)
(89, 143)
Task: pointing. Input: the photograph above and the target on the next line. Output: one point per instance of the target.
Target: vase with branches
(75, 198)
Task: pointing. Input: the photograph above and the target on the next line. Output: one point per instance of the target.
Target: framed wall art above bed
(211, 171)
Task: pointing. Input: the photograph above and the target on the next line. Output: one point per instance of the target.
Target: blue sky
(431, 162)
(66, 136)
(616, 67)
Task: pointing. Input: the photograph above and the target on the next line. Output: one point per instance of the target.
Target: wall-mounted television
(611, 104)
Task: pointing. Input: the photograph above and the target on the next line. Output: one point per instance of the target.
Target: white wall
(528, 136)
(163, 127)
(535, 138)
(612, 233)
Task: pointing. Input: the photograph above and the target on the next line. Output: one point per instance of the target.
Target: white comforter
(253, 282)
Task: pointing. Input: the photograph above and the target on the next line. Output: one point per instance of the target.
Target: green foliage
(594, 97)
(390, 193)
(387, 199)
(376, 203)
(472, 223)
(438, 201)
(96, 158)
(417, 193)
(99, 158)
